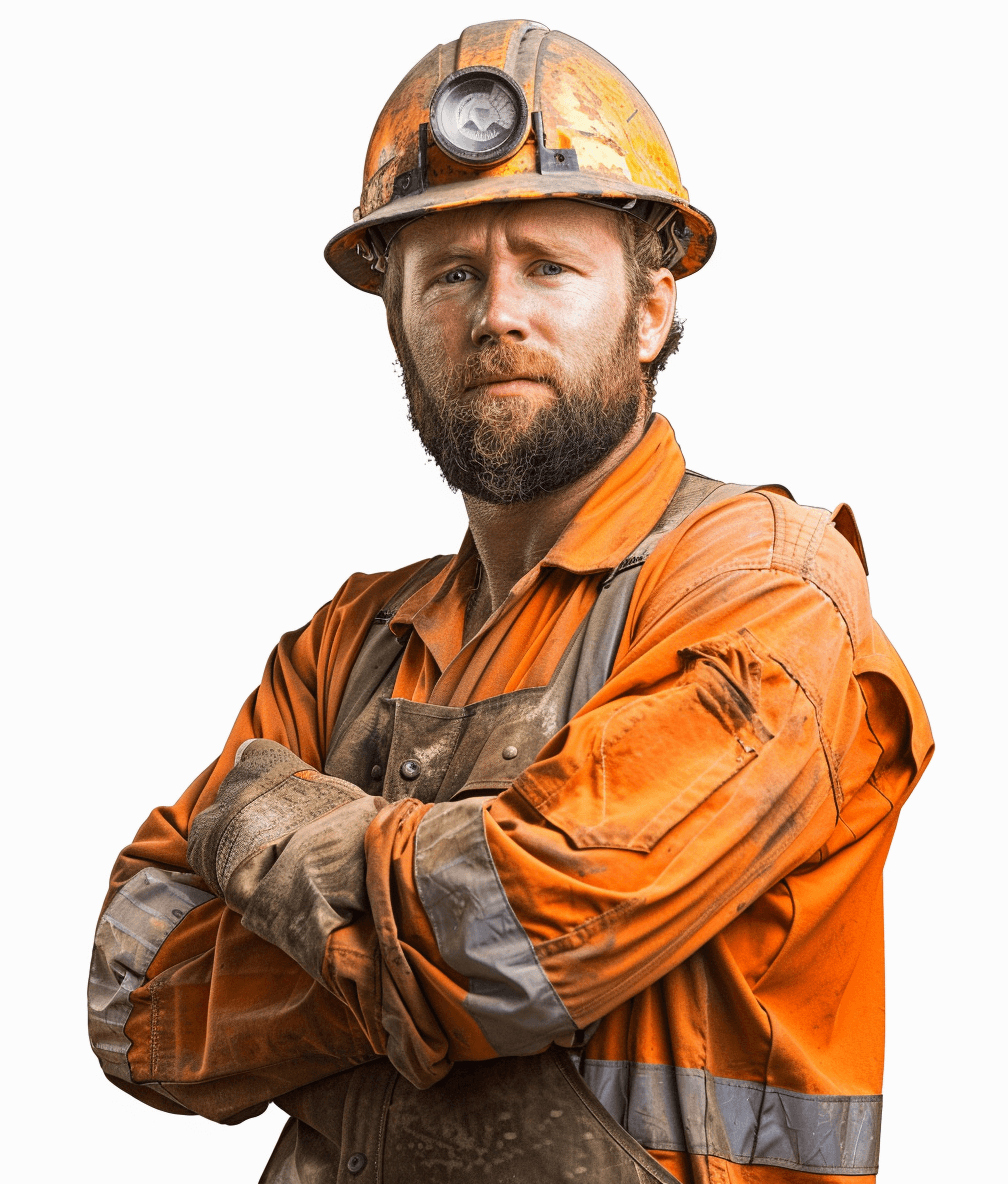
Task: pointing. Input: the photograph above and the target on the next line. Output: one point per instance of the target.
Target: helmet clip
(552, 160)
(414, 180)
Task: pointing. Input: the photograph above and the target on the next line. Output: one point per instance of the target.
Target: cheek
(587, 313)
(441, 324)
(591, 330)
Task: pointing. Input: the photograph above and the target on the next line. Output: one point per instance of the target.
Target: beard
(506, 448)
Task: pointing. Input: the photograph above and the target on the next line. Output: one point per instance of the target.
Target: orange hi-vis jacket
(686, 881)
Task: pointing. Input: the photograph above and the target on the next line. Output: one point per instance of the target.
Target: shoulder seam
(805, 568)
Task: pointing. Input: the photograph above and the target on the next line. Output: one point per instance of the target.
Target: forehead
(515, 225)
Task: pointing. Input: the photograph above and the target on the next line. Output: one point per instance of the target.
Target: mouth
(517, 384)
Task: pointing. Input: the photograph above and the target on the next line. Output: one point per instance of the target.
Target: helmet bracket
(552, 160)
(414, 180)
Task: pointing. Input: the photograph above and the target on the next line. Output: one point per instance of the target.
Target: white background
(203, 435)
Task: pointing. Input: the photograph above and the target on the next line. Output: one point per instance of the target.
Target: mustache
(503, 360)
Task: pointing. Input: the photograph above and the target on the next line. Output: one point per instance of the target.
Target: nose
(502, 310)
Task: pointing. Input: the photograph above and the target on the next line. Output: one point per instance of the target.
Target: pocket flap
(658, 757)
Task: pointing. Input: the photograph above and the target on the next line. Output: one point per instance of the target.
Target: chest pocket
(398, 749)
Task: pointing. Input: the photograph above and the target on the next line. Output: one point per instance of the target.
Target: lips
(486, 380)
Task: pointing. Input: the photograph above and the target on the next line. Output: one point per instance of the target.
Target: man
(560, 857)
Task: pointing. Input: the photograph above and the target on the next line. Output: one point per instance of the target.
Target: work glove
(283, 845)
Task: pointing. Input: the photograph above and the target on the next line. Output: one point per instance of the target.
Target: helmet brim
(343, 257)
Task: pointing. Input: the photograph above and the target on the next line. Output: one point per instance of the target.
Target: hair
(643, 255)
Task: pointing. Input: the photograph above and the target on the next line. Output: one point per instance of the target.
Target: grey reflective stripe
(131, 931)
(690, 1110)
(606, 621)
(478, 934)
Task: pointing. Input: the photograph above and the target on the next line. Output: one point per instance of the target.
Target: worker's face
(521, 349)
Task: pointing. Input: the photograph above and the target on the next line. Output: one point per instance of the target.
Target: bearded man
(560, 857)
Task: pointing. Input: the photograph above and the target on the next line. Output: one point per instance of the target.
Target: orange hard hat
(513, 111)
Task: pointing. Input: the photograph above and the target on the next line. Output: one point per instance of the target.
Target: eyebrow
(526, 244)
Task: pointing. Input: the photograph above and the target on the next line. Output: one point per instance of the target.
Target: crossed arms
(318, 927)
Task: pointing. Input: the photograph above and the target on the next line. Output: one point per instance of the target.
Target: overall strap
(381, 653)
(591, 661)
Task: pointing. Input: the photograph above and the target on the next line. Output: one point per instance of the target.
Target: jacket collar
(607, 528)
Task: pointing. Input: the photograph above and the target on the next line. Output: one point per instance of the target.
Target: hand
(283, 844)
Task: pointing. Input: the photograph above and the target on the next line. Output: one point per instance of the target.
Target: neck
(512, 539)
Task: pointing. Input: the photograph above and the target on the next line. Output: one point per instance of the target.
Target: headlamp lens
(479, 116)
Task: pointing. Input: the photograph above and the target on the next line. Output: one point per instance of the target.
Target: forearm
(186, 1007)
(231, 1028)
(220, 1020)
(516, 939)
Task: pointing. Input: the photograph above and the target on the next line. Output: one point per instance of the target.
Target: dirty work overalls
(524, 1119)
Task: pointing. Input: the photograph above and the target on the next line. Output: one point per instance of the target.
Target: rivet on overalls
(409, 770)
(510, 753)
(376, 772)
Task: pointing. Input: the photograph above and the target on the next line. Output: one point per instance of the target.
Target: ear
(657, 312)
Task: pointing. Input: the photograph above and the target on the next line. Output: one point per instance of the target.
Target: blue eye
(456, 275)
(552, 269)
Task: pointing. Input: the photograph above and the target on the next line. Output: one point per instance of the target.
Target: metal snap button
(510, 753)
(409, 770)
(376, 772)
(356, 1164)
